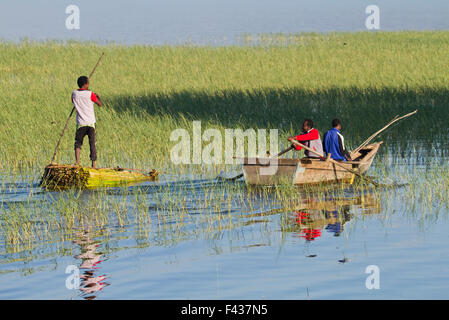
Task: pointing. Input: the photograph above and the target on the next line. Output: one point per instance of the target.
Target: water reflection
(90, 281)
(311, 217)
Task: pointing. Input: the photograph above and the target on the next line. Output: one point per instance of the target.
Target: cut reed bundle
(60, 177)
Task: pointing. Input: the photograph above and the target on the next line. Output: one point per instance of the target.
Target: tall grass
(363, 78)
(168, 214)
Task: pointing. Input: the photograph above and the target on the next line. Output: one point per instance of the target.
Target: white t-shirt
(83, 100)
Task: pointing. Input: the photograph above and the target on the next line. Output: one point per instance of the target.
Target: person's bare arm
(99, 102)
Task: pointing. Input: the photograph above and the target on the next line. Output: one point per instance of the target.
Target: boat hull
(264, 171)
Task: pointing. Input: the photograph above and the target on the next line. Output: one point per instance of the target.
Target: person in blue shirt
(334, 143)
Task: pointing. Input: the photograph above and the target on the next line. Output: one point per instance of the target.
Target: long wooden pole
(395, 119)
(71, 113)
(334, 162)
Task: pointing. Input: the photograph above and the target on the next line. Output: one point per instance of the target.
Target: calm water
(318, 249)
(209, 21)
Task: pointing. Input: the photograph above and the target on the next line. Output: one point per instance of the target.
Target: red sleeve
(312, 135)
(93, 97)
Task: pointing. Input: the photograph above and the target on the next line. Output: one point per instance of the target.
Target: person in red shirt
(310, 138)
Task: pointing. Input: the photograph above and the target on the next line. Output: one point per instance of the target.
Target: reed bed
(166, 214)
(362, 78)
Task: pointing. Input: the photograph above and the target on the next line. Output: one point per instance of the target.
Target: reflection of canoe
(318, 211)
(264, 171)
(311, 216)
(367, 202)
(67, 176)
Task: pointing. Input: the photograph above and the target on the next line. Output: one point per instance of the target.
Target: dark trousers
(79, 137)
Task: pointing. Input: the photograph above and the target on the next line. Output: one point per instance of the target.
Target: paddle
(334, 162)
(71, 113)
(395, 119)
(241, 174)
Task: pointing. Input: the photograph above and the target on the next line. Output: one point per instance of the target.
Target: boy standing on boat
(334, 143)
(310, 138)
(83, 100)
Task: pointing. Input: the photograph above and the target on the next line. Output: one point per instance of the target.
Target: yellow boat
(59, 177)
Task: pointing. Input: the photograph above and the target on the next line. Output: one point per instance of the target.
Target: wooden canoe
(59, 177)
(265, 171)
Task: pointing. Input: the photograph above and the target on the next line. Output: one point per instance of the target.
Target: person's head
(336, 123)
(307, 125)
(83, 82)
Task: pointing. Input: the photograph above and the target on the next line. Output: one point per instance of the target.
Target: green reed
(166, 214)
(150, 91)
(363, 78)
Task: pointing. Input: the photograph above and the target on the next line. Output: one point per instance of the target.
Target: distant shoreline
(245, 39)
